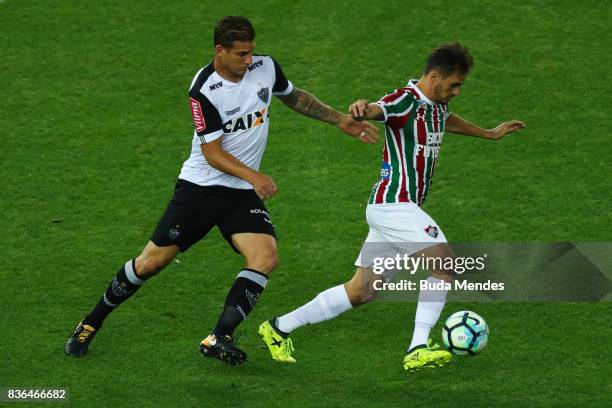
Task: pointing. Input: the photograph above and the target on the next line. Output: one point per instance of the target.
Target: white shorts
(402, 228)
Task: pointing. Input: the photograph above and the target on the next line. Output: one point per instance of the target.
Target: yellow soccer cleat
(426, 357)
(279, 346)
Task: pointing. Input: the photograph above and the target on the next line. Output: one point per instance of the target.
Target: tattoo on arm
(307, 104)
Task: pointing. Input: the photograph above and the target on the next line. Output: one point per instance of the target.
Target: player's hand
(505, 128)
(264, 185)
(359, 109)
(364, 131)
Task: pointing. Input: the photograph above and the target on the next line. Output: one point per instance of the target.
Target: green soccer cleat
(426, 356)
(279, 346)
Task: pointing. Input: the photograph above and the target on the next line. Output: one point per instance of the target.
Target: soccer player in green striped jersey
(416, 117)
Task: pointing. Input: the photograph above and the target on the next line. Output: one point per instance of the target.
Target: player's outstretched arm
(221, 160)
(456, 124)
(307, 104)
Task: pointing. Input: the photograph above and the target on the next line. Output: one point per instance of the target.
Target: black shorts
(194, 210)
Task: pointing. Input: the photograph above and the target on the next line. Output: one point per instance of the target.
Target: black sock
(240, 300)
(124, 285)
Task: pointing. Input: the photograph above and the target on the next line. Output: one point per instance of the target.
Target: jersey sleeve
(396, 107)
(206, 118)
(282, 86)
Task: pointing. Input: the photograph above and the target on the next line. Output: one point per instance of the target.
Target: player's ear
(435, 77)
(218, 50)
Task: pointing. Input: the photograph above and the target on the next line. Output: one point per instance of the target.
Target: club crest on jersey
(244, 122)
(264, 94)
(432, 231)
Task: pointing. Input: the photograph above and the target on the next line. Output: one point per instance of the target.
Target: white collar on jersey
(412, 84)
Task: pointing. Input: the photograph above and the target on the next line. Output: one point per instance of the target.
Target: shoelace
(289, 346)
(431, 345)
(226, 342)
(84, 335)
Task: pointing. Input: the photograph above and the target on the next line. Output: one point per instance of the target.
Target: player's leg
(129, 279)
(331, 302)
(421, 353)
(334, 301)
(431, 300)
(407, 229)
(325, 306)
(124, 285)
(249, 230)
(261, 257)
(183, 223)
(260, 253)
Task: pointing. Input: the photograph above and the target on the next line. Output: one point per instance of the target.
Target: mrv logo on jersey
(244, 122)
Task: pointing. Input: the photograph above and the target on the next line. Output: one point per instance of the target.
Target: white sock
(326, 305)
(431, 303)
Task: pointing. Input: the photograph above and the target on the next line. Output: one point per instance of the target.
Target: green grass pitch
(94, 126)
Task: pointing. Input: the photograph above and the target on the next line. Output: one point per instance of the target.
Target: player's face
(238, 58)
(449, 87)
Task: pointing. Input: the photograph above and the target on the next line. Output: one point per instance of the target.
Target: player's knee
(274, 261)
(368, 294)
(153, 259)
(148, 265)
(359, 295)
(264, 263)
(268, 264)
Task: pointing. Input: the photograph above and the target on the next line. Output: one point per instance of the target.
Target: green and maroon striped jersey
(414, 127)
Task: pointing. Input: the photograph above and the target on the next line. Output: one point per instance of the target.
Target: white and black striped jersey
(238, 112)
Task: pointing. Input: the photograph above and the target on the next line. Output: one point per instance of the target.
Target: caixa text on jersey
(244, 122)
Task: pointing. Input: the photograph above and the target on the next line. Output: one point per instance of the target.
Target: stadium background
(95, 125)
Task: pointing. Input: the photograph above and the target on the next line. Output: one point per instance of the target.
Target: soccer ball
(465, 333)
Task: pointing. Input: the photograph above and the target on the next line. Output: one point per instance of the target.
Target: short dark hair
(233, 28)
(449, 59)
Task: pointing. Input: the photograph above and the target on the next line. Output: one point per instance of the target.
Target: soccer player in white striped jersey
(415, 118)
